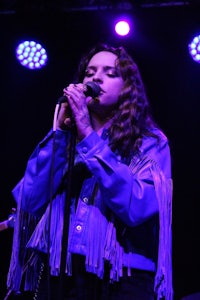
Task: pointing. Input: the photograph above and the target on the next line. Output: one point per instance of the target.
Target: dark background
(159, 44)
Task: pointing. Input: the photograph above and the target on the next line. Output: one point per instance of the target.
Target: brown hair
(132, 119)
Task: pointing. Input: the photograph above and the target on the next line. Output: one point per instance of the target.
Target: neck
(99, 124)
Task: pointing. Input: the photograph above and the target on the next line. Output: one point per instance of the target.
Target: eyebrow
(106, 68)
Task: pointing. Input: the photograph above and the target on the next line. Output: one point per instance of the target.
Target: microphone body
(92, 89)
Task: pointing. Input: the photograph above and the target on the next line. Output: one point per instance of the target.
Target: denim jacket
(118, 213)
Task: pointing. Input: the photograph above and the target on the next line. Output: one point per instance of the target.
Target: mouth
(101, 92)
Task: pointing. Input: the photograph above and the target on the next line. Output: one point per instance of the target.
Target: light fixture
(31, 55)
(194, 48)
(122, 27)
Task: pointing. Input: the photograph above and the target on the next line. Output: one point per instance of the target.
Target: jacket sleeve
(47, 161)
(128, 191)
(32, 194)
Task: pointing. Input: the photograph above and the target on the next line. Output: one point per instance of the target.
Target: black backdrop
(159, 45)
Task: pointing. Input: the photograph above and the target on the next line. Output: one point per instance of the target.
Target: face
(101, 69)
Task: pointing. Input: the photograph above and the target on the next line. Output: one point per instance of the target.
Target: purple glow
(194, 49)
(31, 55)
(122, 28)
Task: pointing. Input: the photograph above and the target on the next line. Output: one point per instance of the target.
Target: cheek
(112, 97)
(116, 90)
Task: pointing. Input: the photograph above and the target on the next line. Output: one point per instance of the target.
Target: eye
(113, 73)
(89, 73)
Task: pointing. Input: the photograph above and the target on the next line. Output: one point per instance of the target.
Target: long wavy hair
(131, 120)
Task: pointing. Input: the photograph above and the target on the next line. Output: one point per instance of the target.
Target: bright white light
(194, 48)
(32, 43)
(122, 28)
(31, 55)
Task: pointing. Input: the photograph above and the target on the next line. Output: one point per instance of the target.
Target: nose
(98, 77)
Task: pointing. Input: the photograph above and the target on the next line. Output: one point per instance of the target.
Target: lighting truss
(14, 6)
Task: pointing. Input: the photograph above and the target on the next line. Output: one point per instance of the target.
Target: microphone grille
(93, 89)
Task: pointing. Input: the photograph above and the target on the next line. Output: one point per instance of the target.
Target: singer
(119, 194)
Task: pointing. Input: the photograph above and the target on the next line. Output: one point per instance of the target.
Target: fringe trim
(118, 259)
(163, 279)
(95, 244)
(39, 239)
(164, 189)
(24, 225)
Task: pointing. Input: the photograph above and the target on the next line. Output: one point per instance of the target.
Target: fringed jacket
(119, 212)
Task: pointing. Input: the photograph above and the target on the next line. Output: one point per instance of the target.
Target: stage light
(194, 48)
(31, 55)
(122, 28)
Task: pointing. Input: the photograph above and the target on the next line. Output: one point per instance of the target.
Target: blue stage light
(194, 48)
(31, 55)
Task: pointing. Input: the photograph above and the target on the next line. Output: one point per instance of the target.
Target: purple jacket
(113, 209)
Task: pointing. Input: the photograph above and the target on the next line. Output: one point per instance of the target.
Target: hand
(11, 218)
(64, 120)
(10, 222)
(79, 110)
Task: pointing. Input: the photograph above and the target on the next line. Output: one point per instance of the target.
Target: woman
(119, 196)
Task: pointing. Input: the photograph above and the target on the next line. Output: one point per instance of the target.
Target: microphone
(92, 89)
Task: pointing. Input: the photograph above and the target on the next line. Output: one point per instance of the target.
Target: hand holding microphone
(90, 89)
(73, 107)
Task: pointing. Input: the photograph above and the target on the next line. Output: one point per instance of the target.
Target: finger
(68, 122)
